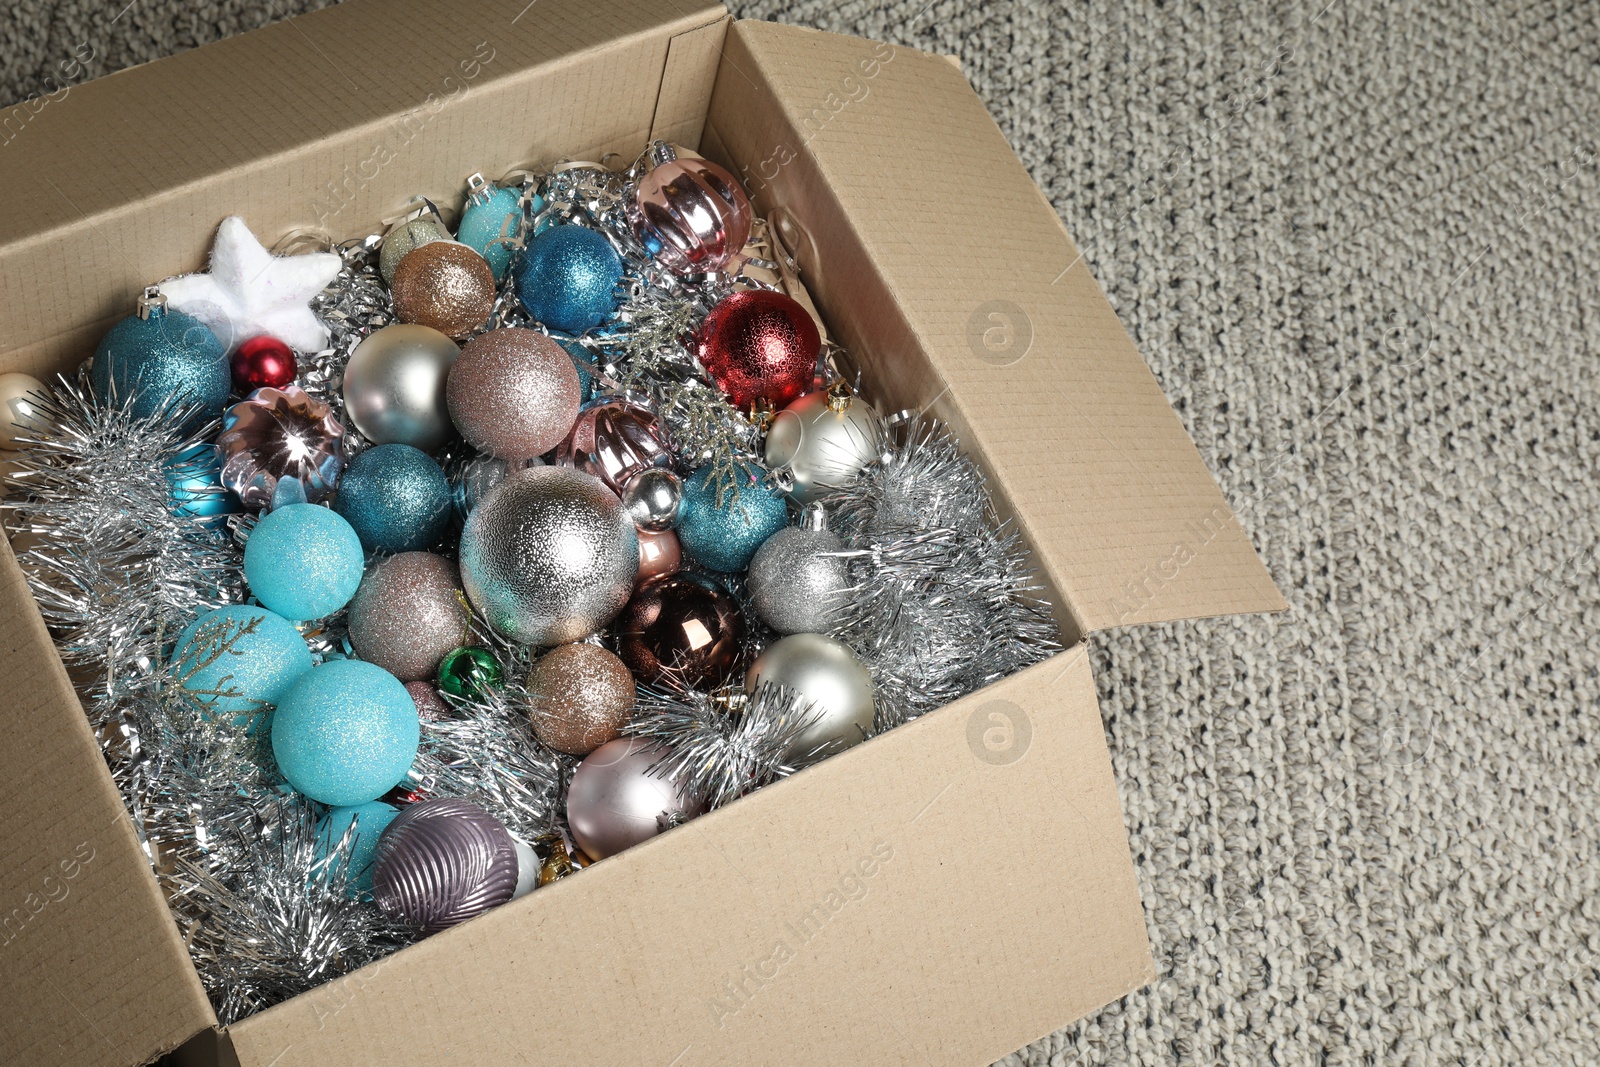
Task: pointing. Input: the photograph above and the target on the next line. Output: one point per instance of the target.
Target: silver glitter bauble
(797, 582)
(549, 556)
(829, 678)
(614, 801)
(408, 614)
(394, 386)
(823, 440)
(652, 498)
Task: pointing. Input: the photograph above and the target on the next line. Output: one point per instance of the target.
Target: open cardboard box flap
(1008, 904)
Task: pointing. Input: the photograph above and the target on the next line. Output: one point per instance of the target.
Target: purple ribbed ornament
(441, 862)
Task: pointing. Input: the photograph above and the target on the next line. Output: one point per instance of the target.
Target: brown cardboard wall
(923, 238)
(92, 970)
(942, 894)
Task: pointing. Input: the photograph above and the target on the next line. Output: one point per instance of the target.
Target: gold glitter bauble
(581, 697)
(444, 285)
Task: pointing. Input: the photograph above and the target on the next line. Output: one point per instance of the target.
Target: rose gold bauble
(691, 214)
(513, 393)
(444, 285)
(580, 697)
(659, 554)
(614, 440)
(684, 630)
(430, 705)
(408, 613)
(614, 801)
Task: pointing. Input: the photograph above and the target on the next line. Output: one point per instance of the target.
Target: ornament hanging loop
(152, 302)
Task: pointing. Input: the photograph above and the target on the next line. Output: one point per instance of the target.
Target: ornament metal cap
(661, 152)
(152, 303)
(479, 188)
(814, 517)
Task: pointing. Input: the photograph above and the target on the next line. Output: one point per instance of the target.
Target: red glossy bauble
(681, 631)
(759, 345)
(263, 363)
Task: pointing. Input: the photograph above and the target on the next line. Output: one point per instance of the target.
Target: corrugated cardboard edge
(92, 968)
(945, 893)
(692, 59)
(917, 227)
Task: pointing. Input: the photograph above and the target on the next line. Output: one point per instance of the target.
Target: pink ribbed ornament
(614, 440)
(442, 862)
(690, 213)
(280, 433)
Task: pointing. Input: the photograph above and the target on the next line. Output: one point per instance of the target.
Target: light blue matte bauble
(195, 475)
(725, 537)
(567, 278)
(303, 561)
(489, 224)
(371, 820)
(164, 354)
(582, 360)
(345, 733)
(239, 673)
(396, 498)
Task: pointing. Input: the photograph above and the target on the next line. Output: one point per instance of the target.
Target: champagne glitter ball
(513, 393)
(614, 801)
(580, 697)
(405, 236)
(549, 556)
(442, 862)
(430, 705)
(408, 615)
(444, 285)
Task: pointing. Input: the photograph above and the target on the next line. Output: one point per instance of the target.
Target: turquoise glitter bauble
(303, 561)
(240, 660)
(160, 353)
(195, 475)
(489, 224)
(345, 733)
(371, 819)
(725, 536)
(567, 278)
(582, 360)
(396, 498)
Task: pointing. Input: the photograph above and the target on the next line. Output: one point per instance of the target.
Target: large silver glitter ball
(549, 556)
(394, 386)
(831, 679)
(797, 582)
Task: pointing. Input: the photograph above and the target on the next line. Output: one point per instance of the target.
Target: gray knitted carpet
(1358, 242)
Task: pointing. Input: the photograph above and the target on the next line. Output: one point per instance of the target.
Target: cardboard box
(945, 893)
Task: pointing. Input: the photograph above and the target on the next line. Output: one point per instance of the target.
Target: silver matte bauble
(797, 581)
(652, 498)
(831, 679)
(549, 556)
(614, 801)
(394, 386)
(823, 440)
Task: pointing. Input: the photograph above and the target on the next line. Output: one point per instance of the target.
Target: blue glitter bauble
(371, 820)
(567, 278)
(195, 475)
(582, 360)
(168, 353)
(240, 673)
(489, 224)
(303, 561)
(396, 498)
(345, 733)
(724, 538)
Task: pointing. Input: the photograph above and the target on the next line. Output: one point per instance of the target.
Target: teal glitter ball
(370, 820)
(165, 354)
(240, 661)
(725, 537)
(396, 498)
(582, 360)
(303, 561)
(345, 733)
(567, 278)
(488, 226)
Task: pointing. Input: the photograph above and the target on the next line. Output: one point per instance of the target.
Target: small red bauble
(759, 345)
(262, 363)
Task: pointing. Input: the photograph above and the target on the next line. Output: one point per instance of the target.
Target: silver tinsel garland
(943, 601)
(722, 745)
